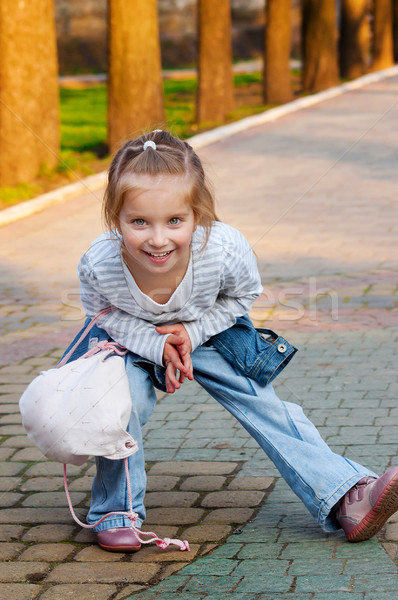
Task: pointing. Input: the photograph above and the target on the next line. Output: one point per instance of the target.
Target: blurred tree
(277, 83)
(319, 44)
(395, 29)
(354, 39)
(215, 95)
(135, 89)
(383, 54)
(29, 98)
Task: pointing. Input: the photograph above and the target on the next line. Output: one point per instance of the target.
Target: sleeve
(240, 287)
(134, 333)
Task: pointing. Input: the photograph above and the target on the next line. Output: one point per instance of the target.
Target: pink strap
(85, 332)
(161, 543)
(118, 349)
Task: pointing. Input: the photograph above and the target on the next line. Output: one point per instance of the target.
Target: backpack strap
(84, 333)
(161, 543)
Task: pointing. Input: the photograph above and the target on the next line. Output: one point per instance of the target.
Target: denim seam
(290, 467)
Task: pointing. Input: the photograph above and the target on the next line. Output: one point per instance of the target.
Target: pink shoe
(365, 508)
(118, 539)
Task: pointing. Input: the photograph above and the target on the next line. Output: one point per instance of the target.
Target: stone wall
(82, 32)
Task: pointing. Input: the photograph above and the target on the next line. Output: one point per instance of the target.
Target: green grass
(83, 118)
(84, 129)
(84, 112)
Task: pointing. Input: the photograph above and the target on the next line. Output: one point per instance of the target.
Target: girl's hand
(177, 331)
(179, 337)
(176, 354)
(174, 363)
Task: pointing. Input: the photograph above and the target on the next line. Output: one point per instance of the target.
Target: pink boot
(118, 539)
(365, 508)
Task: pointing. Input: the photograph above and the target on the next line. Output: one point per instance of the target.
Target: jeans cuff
(326, 515)
(116, 522)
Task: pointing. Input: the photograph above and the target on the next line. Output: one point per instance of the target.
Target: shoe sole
(386, 506)
(121, 548)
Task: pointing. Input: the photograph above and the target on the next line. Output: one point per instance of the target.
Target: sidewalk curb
(96, 182)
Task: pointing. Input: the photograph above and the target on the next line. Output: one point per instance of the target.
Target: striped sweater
(221, 284)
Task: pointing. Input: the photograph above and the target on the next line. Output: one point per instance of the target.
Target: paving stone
(232, 499)
(112, 572)
(160, 483)
(9, 550)
(18, 591)
(173, 516)
(229, 515)
(49, 533)
(42, 484)
(23, 571)
(52, 499)
(83, 484)
(52, 469)
(8, 468)
(251, 483)
(17, 441)
(180, 468)
(154, 554)
(83, 591)
(9, 499)
(29, 455)
(97, 554)
(126, 592)
(47, 552)
(35, 515)
(171, 499)
(324, 583)
(207, 532)
(203, 483)
(9, 533)
(5, 453)
(8, 484)
(391, 532)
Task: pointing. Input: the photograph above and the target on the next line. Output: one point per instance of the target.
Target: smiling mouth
(159, 254)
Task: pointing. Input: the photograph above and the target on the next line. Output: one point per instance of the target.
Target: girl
(181, 283)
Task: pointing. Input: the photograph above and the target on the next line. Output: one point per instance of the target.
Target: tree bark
(215, 94)
(29, 96)
(383, 55)
(319, 39)
(354, 38)
(135, 89)
(395, 29)
(277, 81)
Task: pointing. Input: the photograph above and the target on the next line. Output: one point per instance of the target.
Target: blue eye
(139, 222)
(174, 221)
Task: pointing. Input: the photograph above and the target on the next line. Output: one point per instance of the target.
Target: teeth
(160, 255)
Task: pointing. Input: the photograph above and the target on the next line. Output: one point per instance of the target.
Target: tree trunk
(383, 55)
(135, 90)
(319, 35)
(395, 29)
(277, 81)
(354, 38)
(215, 95)
(29, 96)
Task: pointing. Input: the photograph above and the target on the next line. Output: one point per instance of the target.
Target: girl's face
(157, 224)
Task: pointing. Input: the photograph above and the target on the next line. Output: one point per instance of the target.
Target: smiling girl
(181, 283)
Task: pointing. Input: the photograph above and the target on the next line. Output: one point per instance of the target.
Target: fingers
(172, 383)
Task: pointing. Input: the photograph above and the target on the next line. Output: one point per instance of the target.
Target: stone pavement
(316, 195)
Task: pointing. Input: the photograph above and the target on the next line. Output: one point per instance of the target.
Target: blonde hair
(172, 156)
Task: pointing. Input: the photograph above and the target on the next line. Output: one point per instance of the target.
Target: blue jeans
(318, 476)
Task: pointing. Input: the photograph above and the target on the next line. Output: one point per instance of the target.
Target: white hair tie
(149, 144)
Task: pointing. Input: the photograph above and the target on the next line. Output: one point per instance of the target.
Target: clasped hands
(176, 355)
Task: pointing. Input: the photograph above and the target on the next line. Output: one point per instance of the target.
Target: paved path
(316, 195)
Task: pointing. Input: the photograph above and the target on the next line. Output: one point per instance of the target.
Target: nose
(158, 238)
